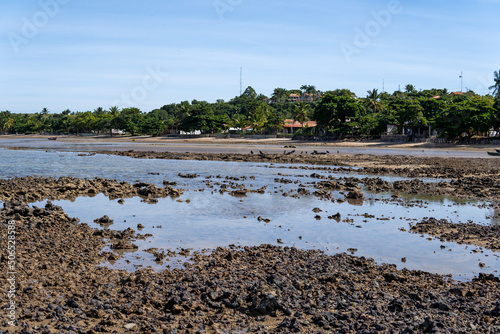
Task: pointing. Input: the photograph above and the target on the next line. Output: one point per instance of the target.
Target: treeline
(338, 113)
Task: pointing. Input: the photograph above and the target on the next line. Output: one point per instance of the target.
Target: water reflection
(376, 229)
(495, 217)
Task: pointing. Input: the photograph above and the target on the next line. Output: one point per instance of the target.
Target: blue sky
(80, 55)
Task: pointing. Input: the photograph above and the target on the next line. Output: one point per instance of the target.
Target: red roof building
(290, 126)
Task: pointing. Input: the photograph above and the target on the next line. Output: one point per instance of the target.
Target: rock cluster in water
(39, 188)
(470, 178)
(463, 233)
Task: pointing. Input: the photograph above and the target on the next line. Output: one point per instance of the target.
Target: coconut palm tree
(496, 86)
(258, 118)
(372, 101)
(238, 121)
(111, 119)
(310, 90)
(301, 113)
(280, 95)
(410, 89)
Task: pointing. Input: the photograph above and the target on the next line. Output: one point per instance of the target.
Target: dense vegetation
(338, 114)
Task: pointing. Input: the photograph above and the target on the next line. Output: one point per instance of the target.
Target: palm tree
(301, 113)
(6, 121)
(258, 118)
(238, 121)
(310, 90)
(280, 95)
(410, 88)
(114, 112)
(496, 86)
(372, 101)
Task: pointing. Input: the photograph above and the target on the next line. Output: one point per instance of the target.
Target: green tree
(63, 122)
(408, 113)
(154, 123)
(372, 101)
(410, 89)
(482, 115)
(341, 92)
(280, 95)
(275, 120)
(130, 120)
(238, 121)
(258, 118)
(368, 124)
(112, 119)
(338, 113)
(83, 122)
(6, 121)
(433, 109)
(496, 86)
(250, 93)
(496, 119)
(308, 89)
(201, 117)
(467, 118)
(302, 112)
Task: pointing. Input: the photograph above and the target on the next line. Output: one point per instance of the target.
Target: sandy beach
(241, 145)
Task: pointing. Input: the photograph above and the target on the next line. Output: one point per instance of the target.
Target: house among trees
(291, 126)
(294, 97)
(304, 97)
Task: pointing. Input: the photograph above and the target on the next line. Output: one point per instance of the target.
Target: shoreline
(250, 142)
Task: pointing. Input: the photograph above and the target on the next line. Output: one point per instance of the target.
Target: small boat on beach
(52, 138)
(497, 153)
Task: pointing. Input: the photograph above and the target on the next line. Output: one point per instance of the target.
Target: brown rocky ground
(268, 289)
(61, 287)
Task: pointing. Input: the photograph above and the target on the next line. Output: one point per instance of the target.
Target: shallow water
(211, 219)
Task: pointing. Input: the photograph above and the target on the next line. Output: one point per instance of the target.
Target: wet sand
(241, 146)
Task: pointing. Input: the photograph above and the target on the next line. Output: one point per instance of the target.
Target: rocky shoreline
(61, 286)
(267, 289)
